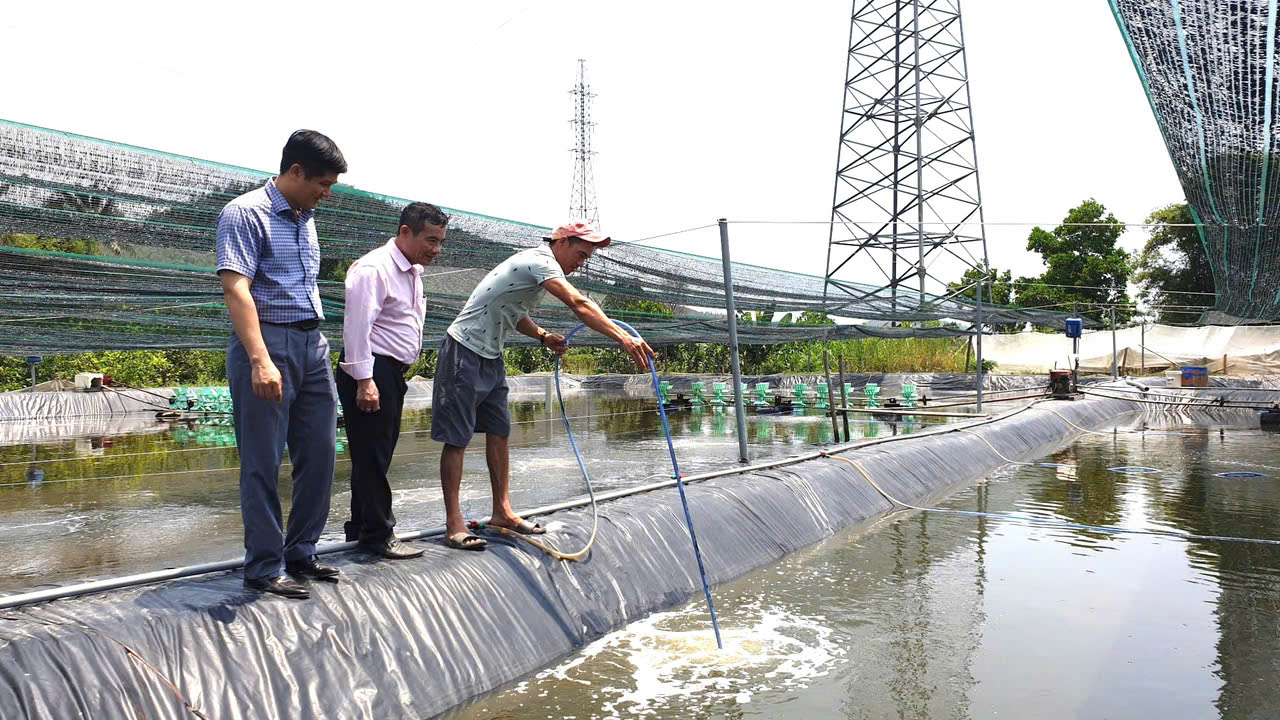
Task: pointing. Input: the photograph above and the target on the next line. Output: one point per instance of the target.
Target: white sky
(704, 109)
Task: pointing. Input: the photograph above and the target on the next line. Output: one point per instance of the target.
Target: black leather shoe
(311, 569)
(391, 549)
(282, 586)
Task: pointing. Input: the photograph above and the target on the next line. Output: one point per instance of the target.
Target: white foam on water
(672, 658)
(534, 465)
(56, 527)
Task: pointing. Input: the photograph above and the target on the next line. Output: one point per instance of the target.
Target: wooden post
(831, 399)
(1224, 363)
(968, 348)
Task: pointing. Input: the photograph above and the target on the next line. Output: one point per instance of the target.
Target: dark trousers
(306, 420)
(371, 441)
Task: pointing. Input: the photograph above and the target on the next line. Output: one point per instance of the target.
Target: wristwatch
(542, 337)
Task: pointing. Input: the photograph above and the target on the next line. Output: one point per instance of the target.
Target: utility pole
(582, 199)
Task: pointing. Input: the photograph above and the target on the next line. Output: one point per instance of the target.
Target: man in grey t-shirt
(470, 390)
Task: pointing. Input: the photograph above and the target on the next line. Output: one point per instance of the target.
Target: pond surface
(933, 615)
(101, 498)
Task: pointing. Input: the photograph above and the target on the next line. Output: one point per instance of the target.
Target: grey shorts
(469, 395)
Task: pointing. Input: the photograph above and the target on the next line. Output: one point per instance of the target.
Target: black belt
(400, 367)
(395, 364)
(311, 324)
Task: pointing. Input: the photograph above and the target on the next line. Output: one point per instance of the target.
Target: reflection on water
(99, 498)
(922, 615)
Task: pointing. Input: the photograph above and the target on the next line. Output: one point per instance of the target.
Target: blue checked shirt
(262, 238)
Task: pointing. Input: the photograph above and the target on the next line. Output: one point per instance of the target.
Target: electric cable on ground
(1006, 459)
(1064, 419)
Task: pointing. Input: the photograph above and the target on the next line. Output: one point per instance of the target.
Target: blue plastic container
(1075, 327)
(1193, 376)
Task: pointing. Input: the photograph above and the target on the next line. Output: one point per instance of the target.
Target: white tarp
(1246, 350)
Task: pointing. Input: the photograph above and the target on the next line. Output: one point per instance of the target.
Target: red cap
(582, 230)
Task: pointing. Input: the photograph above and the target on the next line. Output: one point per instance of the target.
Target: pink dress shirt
(384, 312)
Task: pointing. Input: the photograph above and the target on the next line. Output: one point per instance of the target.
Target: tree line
(1087, 272)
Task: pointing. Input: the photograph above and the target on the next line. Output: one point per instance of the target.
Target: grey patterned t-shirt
(502, 298)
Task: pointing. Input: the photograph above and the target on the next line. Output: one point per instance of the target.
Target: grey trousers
(305, 418)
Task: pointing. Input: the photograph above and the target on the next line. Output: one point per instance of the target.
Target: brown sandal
(524, 527)
(466, 541)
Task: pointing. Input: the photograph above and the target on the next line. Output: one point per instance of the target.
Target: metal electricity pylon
(907, 210)
(582, 200)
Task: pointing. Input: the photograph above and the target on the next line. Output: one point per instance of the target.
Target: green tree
(997, 291)
(1084, 264)
(334, 269)
(813, 317)
(1172, 266)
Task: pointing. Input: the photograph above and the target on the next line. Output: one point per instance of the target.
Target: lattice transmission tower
(907, 210)
(582, 200)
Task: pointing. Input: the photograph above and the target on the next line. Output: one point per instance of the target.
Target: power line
(912, 224)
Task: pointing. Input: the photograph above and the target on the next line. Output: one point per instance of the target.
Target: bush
(140, 368)
(161, 368)
(40, 242)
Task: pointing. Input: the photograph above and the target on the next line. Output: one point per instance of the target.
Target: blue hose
(675, 467)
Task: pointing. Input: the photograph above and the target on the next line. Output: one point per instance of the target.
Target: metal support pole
(919, 158)
(1075, 342)
(831, 399)
(733, 339)
(844, 396)
(1115, 371)
(1143, 344)
(978, 353)
(33, 377)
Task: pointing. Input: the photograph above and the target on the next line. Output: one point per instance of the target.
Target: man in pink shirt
(382, 338)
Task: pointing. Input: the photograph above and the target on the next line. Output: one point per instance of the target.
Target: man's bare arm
(593, 316)
(549, 340)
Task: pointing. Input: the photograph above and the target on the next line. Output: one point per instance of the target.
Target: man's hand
(266, 381)
(638, 349)
(367, 395)
(555, 343)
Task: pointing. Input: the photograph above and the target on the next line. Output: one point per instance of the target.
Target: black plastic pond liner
(411, 639)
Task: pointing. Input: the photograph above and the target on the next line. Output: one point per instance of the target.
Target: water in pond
(929, 615)
(91, 499)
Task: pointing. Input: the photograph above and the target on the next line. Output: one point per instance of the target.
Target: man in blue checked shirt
(282, 388)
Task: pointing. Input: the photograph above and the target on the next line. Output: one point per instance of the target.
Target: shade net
(133, 265)
(1208, 68)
